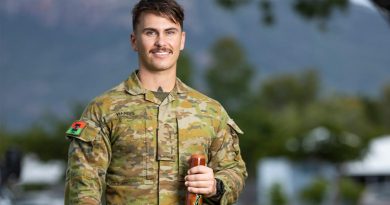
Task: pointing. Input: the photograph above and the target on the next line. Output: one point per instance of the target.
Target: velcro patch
(76, 128)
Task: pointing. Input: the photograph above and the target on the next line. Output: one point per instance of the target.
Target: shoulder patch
(76, 128)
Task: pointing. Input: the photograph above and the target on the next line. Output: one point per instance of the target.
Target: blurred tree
(185, 68)
(318, 10)
(289, 117)
(372, 110)
(274, 115)
(334, 130)
(350, 191)
(229, 75)
(385, 108)
(296, 116)
(4, 142)
(45, 138)
(231, 4)
(266, 11)
(299, 90)
(258, 135)
(229, 78)
(314, 193)
(277, 195)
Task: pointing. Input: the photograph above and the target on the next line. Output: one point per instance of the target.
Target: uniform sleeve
(88, 158)
(226, 161)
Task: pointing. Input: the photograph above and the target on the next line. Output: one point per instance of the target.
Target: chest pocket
(129, 148)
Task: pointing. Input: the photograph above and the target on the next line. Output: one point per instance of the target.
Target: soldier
(132, 143)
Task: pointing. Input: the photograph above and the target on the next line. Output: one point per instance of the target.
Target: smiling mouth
(161, 52)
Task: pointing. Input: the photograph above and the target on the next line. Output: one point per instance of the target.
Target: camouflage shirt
(135, 149)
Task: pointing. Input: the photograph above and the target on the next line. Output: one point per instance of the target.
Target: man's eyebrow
(172, 29)
(156, 30)
(149, 29)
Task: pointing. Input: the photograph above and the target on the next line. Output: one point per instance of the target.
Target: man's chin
(160, 68)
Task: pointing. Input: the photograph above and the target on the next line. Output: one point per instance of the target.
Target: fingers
(203, 191)
(200, 173)
(199, 177)
(199, 170)
(199, 184)
(200, 180)
(206, 188)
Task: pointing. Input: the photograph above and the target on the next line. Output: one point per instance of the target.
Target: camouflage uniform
(135, 149)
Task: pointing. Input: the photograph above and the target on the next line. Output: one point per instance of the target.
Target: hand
(200, 180)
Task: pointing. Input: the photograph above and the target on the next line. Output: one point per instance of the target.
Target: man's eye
(171, 32)
(150, 33)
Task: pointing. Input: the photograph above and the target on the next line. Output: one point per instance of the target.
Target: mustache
(161, 49)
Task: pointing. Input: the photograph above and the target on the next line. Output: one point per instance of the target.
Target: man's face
(158, 42)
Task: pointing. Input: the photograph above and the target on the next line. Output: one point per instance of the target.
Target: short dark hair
(166, 8)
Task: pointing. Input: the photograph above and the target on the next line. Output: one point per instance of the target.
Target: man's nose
(160, 41)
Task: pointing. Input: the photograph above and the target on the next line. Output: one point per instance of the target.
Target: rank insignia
(76, 128)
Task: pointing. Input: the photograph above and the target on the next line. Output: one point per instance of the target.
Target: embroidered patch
(76, 128)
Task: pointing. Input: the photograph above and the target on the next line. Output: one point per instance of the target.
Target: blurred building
(292, 178)
(35, 171)
(32, 181)
(373, 171)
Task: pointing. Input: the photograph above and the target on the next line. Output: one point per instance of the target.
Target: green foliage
(9, 140)
(185, 68)
(337, 129)
(231, 4)
(287, 112)
(35, 187)
(277, 195)
(230, 73)
(287, 116)
(274, 115)
(384, 108)
(45, 138)
(318, 10)
(350, 191)
(266, 10)
(36, 140)
(315, 192)
(281, 91)
(229, 78)
(4, 142)
(258, 139)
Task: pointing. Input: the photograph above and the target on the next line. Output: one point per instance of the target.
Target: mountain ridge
(47, 68)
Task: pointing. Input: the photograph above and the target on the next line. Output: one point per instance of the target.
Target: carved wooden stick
(195, 199)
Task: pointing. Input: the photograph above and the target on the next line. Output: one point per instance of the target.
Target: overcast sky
(87, 12)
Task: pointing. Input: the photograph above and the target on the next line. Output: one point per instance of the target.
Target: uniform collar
(134, 87)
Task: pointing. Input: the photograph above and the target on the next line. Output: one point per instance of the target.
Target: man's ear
(133, 41)
(183, 40)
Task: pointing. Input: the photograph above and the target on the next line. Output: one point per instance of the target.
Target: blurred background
(307, 80)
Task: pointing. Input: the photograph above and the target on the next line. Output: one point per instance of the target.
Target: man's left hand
(200, 180)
